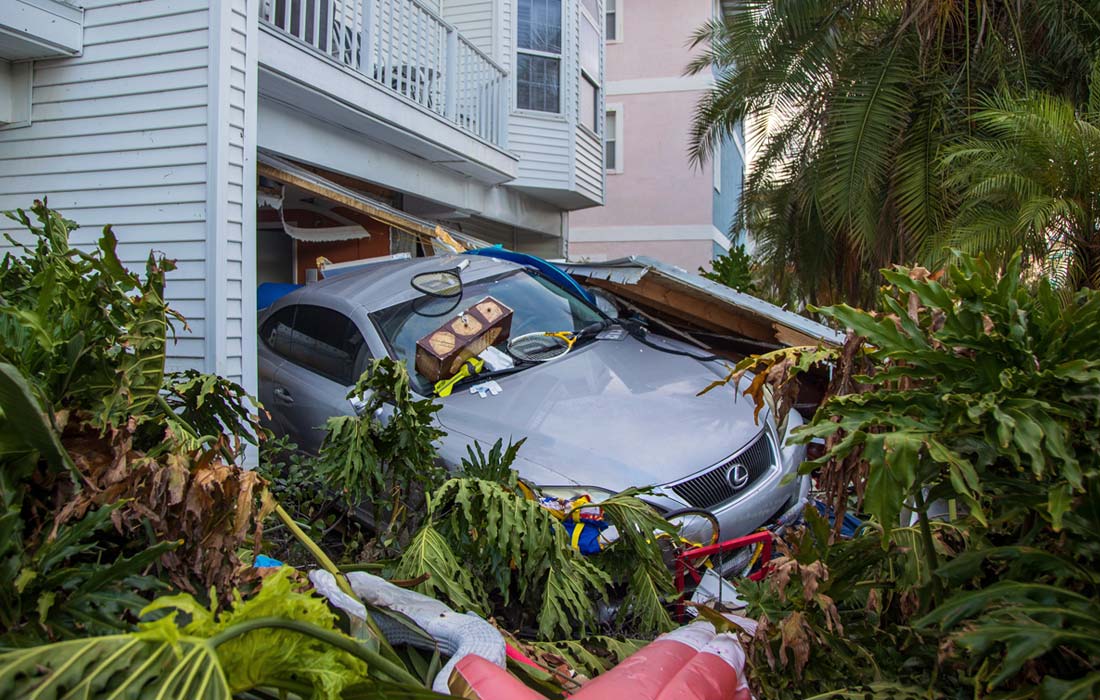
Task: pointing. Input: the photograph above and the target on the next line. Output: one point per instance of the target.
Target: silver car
(619, 409)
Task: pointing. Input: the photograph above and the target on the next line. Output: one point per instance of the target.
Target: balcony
(407, 50)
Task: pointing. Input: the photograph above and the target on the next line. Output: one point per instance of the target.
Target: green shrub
(980, 397)
(734, 269)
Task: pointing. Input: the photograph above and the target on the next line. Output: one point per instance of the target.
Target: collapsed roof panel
(702, 303)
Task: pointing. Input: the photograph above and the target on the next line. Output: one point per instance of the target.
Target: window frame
(294, 357)
(599, 109)
(618, 24)
(617, 108)
(559, 57)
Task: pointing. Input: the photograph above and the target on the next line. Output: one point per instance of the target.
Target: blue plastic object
(545, 267)
(848, 527)
(270, 292)
(263, 562)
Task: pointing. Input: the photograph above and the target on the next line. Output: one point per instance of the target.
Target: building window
(590, 104)
(538, 55)
(591, 43)
(612, 28)
(613, 139)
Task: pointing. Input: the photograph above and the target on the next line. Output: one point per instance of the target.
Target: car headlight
(566, 492)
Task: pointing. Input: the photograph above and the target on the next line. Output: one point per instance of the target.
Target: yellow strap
(470, 367)
(576, 540)
(576, 506)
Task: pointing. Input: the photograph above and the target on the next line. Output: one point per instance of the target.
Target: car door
(325, 357)
(276, 333)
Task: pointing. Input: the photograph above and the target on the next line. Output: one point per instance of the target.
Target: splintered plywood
(704, 310)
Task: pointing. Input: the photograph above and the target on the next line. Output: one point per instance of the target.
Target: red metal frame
(682, 565)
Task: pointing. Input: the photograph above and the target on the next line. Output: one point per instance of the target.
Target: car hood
(611, 414)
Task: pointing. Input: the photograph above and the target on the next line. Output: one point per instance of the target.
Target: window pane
(590, 48)
(537, 83)
(328, 343)
(609, 29)
(590, 104)
(539, 25)
(610, 124)
(278, 330)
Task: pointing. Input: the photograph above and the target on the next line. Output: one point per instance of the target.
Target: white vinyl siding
(123, 135)
(543, 146)
(474, 20)
(118, 136)
(555, 152)
(590, 170)
(231, 349)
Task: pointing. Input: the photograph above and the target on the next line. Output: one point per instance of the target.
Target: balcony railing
(409, 49)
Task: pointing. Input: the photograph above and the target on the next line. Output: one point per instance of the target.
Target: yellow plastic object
(470, 367)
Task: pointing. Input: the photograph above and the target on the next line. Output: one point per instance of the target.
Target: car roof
(380, 285)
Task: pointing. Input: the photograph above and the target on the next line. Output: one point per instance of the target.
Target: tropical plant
(734, 269)
(95, 490)
(85, 331)
(281, 640)
(381, 465)
(964, 421)
(837, 595)
(488, 547)
(852, 103)
(1030, 177)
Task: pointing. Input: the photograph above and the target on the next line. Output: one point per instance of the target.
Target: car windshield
(537, 304)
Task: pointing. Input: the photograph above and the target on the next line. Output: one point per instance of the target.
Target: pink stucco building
(656, 202)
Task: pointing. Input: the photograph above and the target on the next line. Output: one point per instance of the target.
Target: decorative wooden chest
(440, 354)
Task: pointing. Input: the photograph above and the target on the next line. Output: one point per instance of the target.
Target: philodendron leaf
(20, 411)
(117, 667)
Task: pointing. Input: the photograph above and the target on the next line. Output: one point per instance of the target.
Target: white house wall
(474, 19)
(123, 135)
(558, 159)
(589, 170)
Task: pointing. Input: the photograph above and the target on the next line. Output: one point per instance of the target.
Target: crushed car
(519, 350)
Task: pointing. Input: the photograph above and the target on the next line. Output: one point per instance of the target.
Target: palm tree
(851, 103)
(1031, 177)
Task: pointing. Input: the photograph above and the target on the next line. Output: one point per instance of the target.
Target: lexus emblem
(737, 476)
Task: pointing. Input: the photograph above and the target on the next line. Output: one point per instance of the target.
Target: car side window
(328, 343)
(278, 331)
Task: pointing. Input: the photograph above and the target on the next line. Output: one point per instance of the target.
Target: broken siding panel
(118, 136)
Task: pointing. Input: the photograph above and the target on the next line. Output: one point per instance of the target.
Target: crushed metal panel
(703, 302)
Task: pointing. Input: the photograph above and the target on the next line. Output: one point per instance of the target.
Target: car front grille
(713, 487)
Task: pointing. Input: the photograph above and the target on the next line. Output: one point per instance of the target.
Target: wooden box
(440, 354)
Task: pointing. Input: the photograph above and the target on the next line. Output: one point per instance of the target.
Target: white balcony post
(450, 69)
(366, 39)
(504, 109)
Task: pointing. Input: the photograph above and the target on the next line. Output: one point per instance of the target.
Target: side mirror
(438, 284)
